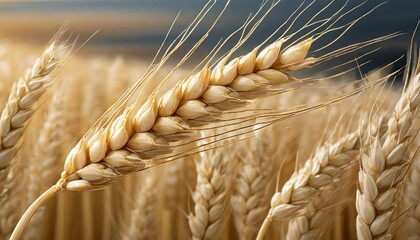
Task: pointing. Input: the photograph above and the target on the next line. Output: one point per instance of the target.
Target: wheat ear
(210, 196)
(313, 220)
(175, 198)
(383, 167)
(23, 97)
(143, 214)
(329, 162)
(254, 177)
(135, 136)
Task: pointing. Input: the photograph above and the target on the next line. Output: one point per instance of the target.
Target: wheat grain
(314, 220)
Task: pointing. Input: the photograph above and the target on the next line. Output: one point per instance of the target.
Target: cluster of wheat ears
(272, 144)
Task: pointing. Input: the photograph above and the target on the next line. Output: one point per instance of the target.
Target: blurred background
(136, 28)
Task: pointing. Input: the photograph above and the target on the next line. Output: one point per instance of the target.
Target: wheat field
(285, 138)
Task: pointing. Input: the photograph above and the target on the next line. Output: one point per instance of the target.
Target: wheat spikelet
(210, 196)
(118, 80)
(22, 99)
(127, 143)
(384, 166)
(13, 60)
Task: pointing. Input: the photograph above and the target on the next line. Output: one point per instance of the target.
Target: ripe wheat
(272, 94)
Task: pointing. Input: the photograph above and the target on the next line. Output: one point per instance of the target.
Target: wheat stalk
(210, 196)
(384, 166)
(23, 97)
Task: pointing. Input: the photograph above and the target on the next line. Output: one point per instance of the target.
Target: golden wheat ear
(384, 166)
(24, 97)
(135, 139)
(210, 207)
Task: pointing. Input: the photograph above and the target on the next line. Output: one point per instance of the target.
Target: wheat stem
(265, 226)
(26, 217)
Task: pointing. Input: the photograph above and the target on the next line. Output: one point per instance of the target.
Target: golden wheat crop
(279, 140)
